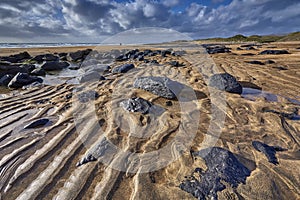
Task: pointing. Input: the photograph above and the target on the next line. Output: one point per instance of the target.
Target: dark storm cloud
(71, 19)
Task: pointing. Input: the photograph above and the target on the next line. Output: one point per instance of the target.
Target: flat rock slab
(269, 151)
(136, 105)
(160, 86)
(225, 82)
(38, 123)
(222, 165)
(274, 52)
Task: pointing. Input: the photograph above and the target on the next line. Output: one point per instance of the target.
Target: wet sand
(41, 163)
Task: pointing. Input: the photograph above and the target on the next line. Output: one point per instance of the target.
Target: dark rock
(255, 62)
(91, 76)
(250, 48)
(248, 45)
(28, 67)
(38, 123)
(38, 58)
(79, 55)
(123, 68)
(22, 79)
(96, 152)
(174, 63)
(69, 96)
(222, 166)
(85, 97)
(147, 52)
(154, 62)
(280, 68)
(4, 80)
(88, 158)
(164, 53)
(291, 116)
(17, 57)
(11, 69)
(154, 53)
(248, 54)
(121, 58)
(136, 105)
(216, 49)
(54, 65)
(169, 103)
(270, 62)
(225, 82)
(62, 54)
(160, 86)
(140, 58)
(38, 72)
(275, 52)
(239, 49)
(269, 151)
(50, 57)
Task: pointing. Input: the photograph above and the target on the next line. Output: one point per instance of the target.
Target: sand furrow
(28, 164)
(46, 176)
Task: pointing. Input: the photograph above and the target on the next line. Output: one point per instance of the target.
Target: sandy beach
(68, 156)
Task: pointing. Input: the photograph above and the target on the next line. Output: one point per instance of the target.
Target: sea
(39, 45)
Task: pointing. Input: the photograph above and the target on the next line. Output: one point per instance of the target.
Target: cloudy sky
(96, 20)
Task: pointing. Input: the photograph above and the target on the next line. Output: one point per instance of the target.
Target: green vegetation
(257, 38)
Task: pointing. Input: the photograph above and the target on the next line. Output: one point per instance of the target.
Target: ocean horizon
(39, 45)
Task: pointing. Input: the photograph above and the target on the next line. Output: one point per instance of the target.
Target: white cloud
(98, 18)
(170, 3)
(9, 7)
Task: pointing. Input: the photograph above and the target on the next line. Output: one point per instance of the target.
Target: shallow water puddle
(63, 76)
(253, 94)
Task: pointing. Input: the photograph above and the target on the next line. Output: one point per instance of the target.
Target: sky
(81, 21)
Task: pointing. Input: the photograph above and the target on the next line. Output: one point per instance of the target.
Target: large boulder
(79, 55)
(11, 69)
(123, 68)
(54, 65)
(223, 170)
(22, 79)
(275, 52)
(160, 86)
(225, 82)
